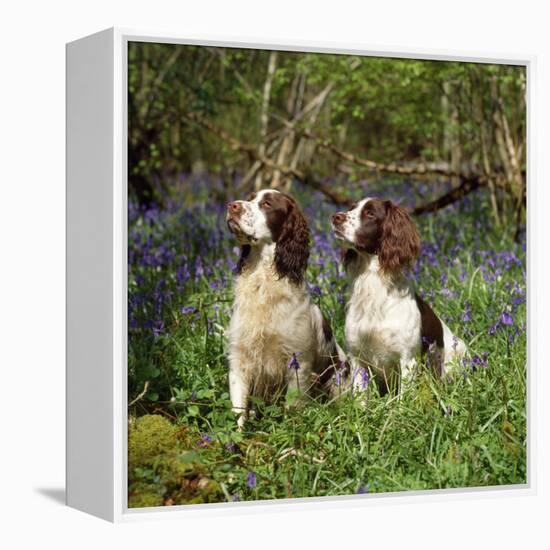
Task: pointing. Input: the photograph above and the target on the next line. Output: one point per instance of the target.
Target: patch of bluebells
(182, 252)
(173, 252)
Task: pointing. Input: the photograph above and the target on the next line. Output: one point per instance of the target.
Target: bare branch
(141, 395)
(417, 170)
(254, 155)
(468, 183)
(465, 188)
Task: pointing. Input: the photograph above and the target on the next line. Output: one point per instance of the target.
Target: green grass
(468, 432)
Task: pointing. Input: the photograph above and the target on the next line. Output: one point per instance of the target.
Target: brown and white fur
(387, 324)
(273, 317)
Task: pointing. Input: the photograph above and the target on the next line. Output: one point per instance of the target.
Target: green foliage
(467, 432)
(381, 108)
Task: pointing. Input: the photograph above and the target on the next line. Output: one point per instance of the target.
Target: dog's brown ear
(245, 251)
(292, 247)
(400, 243)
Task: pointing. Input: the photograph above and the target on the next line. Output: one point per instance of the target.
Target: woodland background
(256, 118)
(445, 140)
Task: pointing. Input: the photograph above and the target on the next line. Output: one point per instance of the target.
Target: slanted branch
(254, 154)
(468, 183)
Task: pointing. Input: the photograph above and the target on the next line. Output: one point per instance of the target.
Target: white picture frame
(96, 369)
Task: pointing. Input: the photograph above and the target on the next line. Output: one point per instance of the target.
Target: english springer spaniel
(278, 339)
(388, 325)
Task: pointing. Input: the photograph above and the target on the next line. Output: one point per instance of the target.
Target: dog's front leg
(407, 367)
(238, 391)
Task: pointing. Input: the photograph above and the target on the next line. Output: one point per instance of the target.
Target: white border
(120, 241)
(120, 275)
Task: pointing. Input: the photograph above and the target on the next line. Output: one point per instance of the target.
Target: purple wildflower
(157, 328)
(315, 290)
(479, 361)
(215, 284)
(364, 377)
(205, 441)
(466, 316)
(251, 480)
(363, 489)
(518, 300)
(293, 362)
(506, 319)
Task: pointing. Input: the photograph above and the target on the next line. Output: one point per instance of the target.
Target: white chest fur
(271, 320)
(383, 321)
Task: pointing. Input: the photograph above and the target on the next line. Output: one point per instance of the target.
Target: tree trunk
(264, 116)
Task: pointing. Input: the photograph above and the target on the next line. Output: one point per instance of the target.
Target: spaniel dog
(278, 340)
(388, 325)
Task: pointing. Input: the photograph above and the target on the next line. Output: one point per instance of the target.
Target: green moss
(148, 437)
(144, 496)
(161, 469)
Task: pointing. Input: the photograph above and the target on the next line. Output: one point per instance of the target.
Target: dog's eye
(267, 204)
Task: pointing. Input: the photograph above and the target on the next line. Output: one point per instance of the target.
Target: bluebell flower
(205, 440)
(158, 328)
(364, 377)
(314, 289)
(478, 361)
(466, 317)
(506, 319)
(251, 480)
(293, 362)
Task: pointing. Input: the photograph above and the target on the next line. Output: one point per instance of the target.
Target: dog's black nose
(339, 218)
